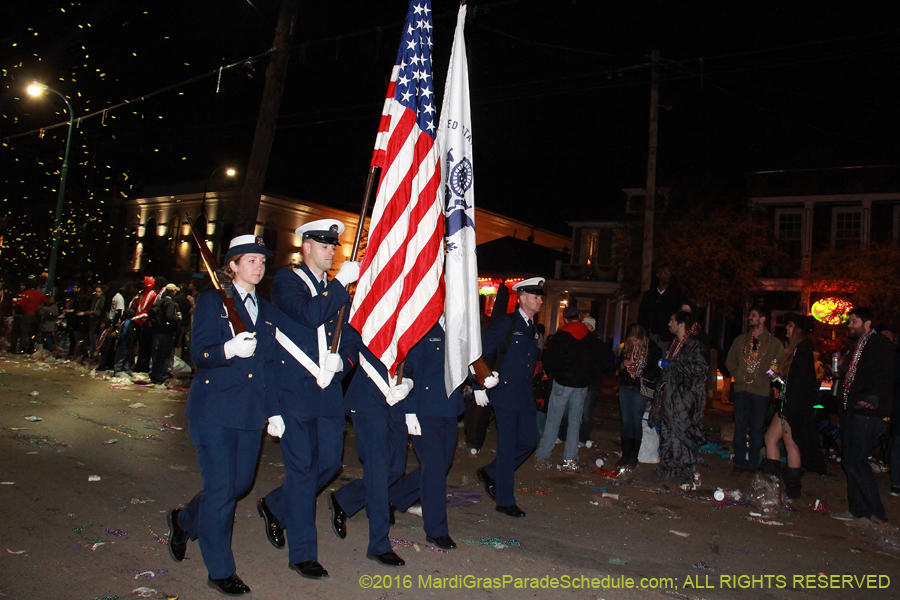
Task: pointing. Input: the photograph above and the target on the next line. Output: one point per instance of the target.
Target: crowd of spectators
(133, 327)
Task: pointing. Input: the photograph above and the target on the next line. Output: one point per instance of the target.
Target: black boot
(635, 449)
(770, 466)
(792, 482)
(627, 444)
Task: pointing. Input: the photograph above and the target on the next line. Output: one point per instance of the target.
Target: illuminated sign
(831, 311)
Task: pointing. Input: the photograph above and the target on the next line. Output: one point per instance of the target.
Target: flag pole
(367, 197)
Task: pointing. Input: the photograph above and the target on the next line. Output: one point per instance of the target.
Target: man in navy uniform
(380, 425)
(311, 413)
(513, 343)
(437, 412)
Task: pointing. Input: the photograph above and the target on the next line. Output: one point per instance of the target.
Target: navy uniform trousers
(311, 449)
(381, 444)
(226, 411)
(435, 448)
(228, 459)
(313, 440)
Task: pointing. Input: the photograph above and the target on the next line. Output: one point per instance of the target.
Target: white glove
(333, 362)
(324, 378)
(276, 426)
(399, 392)
(349, 272)
(491, 381)
(242, 345)
(412, 425)
(481, 398)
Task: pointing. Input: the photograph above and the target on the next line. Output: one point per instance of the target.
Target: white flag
(463, 327)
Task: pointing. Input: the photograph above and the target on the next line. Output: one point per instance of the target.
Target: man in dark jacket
(572, 360)
(164, 322)
(658, 305)
(867, 396)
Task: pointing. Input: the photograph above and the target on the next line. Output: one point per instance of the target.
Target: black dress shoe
(393, 510)
(388, 559)
(338, 517)
(444, 542)
(274, 530)
(488, 481)
(178, 537)
(230, 586)
(311, 569)
(512, 511)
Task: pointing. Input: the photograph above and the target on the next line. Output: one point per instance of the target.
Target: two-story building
(815, 213)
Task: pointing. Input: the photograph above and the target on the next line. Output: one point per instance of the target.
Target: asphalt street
(85, 490)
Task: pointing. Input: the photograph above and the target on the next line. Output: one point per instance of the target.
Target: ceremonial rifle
(225, 291)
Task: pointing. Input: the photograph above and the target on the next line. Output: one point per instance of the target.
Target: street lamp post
(230, 172)
(36, 89)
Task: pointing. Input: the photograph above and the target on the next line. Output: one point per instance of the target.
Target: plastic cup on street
(599, 462)
(719, 495)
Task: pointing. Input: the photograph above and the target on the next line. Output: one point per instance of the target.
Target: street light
(38, 89)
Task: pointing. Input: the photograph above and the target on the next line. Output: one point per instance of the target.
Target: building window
(789, 234)
(174, 234)
(846, 228)
(597, 247)
(790, 226)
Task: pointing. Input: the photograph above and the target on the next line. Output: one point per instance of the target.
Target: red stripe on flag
(424, 262)
(394, 210)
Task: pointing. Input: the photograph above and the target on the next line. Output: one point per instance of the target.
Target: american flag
(400, 292)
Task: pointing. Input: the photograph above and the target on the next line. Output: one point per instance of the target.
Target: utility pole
(650, 197)
(265, 123)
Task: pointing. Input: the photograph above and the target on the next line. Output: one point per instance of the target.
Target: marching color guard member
(512, 344)
(311, 413)
(227, 407)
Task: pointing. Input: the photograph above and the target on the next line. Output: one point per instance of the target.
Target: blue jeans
(541, 420)
(632, 405)
(561, 398)
(587, 418)
(749, 411)
(860, 435)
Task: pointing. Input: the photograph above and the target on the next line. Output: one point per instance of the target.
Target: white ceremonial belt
(297, 353)
(376, 377)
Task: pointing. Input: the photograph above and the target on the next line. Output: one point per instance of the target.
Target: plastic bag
(179, 367)
(768, 493)
(649, 452)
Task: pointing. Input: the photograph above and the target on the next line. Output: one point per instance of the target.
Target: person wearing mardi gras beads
(750, 356)
(866, 402)
(680, 400)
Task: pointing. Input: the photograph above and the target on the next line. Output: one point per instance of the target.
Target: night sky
(560, 93)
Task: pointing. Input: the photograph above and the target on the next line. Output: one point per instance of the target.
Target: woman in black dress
(793, 422)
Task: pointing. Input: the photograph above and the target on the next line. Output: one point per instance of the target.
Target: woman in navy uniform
(227, 409)
(437, 413)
